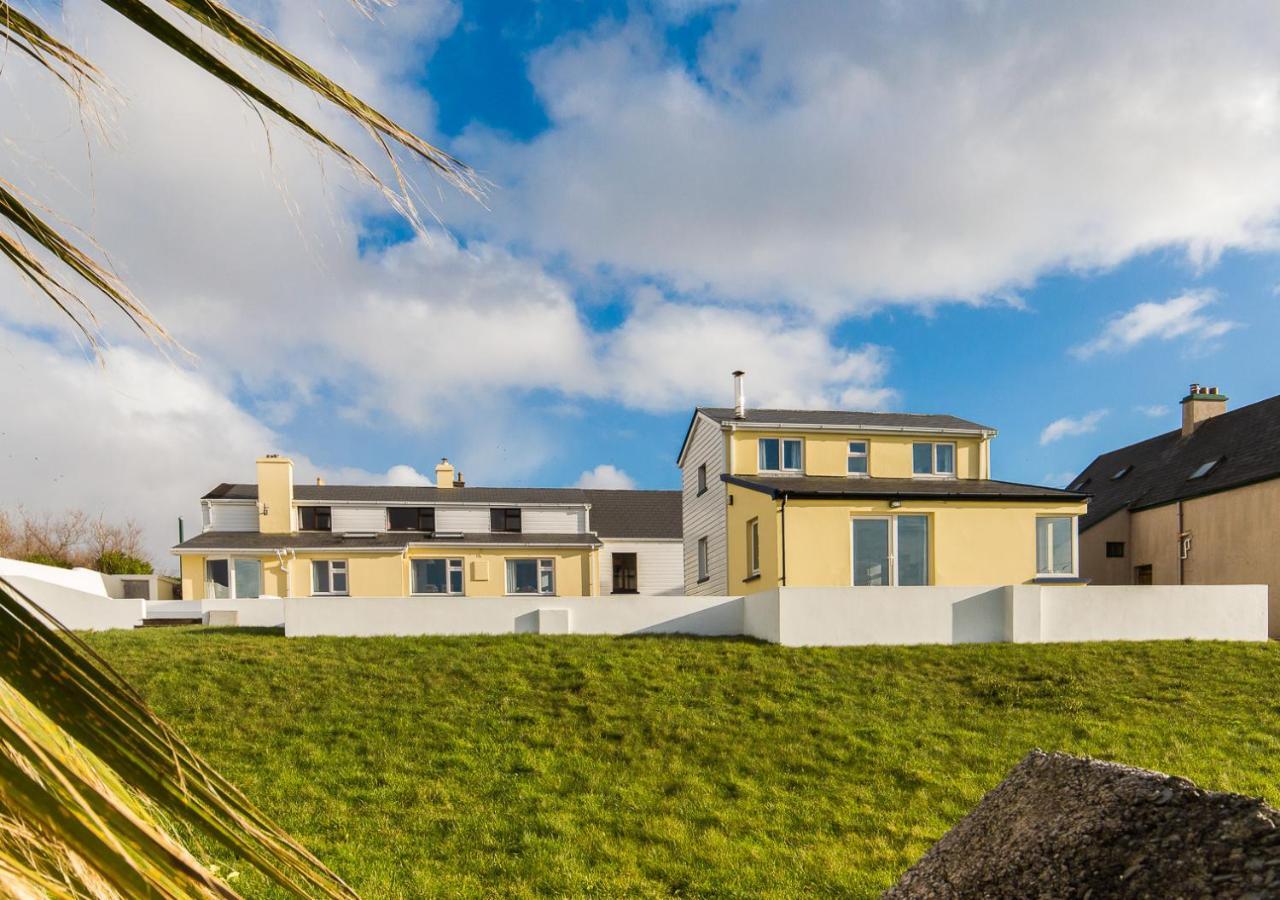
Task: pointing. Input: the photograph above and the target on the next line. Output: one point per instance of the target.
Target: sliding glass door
(890, 550)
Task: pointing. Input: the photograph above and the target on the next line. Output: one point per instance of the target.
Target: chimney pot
(739, 395)
(319, 481)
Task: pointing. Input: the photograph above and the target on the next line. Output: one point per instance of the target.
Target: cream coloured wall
(1094, 563)
(826, 453)
(275, 493)
(970, 543)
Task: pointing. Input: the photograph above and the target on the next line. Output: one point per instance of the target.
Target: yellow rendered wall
(193, 574)
(747, 505)
(275, 494)
(828, 454)
(970, 543)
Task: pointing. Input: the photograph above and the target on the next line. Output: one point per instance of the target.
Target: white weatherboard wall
(659, 566)
(623, 614)
(703, 515)
(233, 516)
(358, 518)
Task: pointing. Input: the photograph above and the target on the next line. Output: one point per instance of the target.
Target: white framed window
(928, 458)
(329, 576)
(435, 576)
(781, 454)
(531, 576)
(753, 548)
(233, 579)
(702, 479)
(858, 457)
(890, 550)
(704, 566)
(1056, 545)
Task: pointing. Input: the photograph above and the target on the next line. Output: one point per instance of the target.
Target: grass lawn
(655, 766)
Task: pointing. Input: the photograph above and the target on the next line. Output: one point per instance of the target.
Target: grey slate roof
(636, 514)
(842, 419)
(835, 486)
(1246, 440)
(392, 541)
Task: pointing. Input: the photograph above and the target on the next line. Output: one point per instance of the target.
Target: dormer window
(933, 459)
(504, 520)
(781, 455)
(1123, 472)
(411, 518)
(1204, 469)
(315, 518)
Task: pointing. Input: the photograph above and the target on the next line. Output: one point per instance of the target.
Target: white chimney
(739, 396)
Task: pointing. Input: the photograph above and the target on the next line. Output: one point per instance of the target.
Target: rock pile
(1061, 826)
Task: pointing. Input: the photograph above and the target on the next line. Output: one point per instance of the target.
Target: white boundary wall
(259, 612)
(819, 616)
(76, 609)
(620, 614)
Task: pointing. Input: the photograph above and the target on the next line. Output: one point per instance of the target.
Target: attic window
(1080, 484)
(1204, 469)
(1123, 472)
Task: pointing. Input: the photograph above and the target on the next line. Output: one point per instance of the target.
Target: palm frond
(29, 38)
(103, 769)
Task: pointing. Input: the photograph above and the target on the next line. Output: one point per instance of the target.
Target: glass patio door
(871, 551)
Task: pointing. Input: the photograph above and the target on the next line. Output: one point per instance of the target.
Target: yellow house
(797, 498)
(278, 538)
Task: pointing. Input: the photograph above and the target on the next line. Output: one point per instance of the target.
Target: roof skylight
(1121, 473)
(1204, 469)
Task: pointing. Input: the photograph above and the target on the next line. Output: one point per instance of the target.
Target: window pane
(427, 518)
(791, 454)
(858, 447)
(922, 459)
(946, 458)
(913, 550)
(324, 519)
(428, 576)
(702, 558)
(307, 518)
(522, 576)
(870, 551)
(455, 576)
(857, 465)
(402, 518)
(339, 578)
(1061, 546)
(217, 576)
(546, 576)
(319, 577)
(248, 578)
(702, 478)
(769, 454)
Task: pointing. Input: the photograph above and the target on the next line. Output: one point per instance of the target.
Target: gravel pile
(1061, 826)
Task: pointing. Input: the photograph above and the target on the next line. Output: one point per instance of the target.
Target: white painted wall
(358, 518)
(1233, 612)
(659, 566)
(76, 609)
(260, 612)
(704, 516)
(886, 615)
(85, 580)
(227, 515)
(630, 614)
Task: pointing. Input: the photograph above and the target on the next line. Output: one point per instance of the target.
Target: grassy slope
(464, 766)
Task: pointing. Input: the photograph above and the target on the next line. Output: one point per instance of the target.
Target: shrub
(115, 562)
(48, 559)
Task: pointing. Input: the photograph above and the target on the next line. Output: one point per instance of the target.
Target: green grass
(655, 766)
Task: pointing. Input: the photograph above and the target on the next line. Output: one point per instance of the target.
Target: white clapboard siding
(553, 521)
(226, 516)
(659, 566)
(705, 516)
(359, 518)
(467, 519)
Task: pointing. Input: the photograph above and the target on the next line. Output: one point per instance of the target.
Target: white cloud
(868, 153)
(604, 477)
(1177, 317)
(1154, 411)
(1058, 479)
(1071, 427)
(406, 476)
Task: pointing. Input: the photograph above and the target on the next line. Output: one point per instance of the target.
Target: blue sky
(1016, 213)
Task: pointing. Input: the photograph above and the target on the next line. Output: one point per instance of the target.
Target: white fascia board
(855, 429)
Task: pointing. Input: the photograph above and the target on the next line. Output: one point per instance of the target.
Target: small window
(702, 479)
(1055, 545)
(933, 459)
(1115, 549)
(1204, 469)
(507, 520)
(329, 576)
(1121, 473)
(1080, 485)
(315, 518)
(857, 457)
(704, 569)
(531, 576)
(411, 518)
(437, 576)
(781, 455)
(753, 548)
(625, 573)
